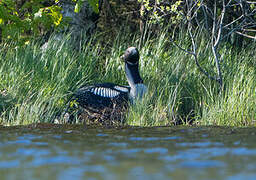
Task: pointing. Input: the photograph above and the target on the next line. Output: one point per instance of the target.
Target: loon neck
(132, 74)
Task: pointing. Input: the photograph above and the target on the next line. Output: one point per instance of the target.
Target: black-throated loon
(107, 100)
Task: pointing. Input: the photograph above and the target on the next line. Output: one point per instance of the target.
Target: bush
(21, 20)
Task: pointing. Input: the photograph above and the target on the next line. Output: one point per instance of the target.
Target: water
(76, 152)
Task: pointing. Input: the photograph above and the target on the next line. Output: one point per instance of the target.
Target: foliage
(36, 86)
(160, 10)
(21, 19)
(239, 19)
(93, 3)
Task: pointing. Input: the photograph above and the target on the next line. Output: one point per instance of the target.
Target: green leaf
(78, 6)
(95, 5)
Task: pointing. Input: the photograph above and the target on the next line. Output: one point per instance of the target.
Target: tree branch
(246, 35)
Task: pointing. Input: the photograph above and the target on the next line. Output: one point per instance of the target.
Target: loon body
(107, 101)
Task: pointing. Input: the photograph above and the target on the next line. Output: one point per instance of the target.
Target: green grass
(35, 86)
(237, 105)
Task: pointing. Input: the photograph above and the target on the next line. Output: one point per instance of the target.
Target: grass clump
(236, 106)
(37, 83)
(35, 86)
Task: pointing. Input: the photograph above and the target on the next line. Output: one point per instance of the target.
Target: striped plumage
(99, 96)
(107, 102)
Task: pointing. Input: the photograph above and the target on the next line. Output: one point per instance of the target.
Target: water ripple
(32, 152)
(55, 160)
(118, 144)
(132, 154)
(159, 150)
(199, 144)
(202, 164)
(154, 138)
(9, 164)
(243, 151)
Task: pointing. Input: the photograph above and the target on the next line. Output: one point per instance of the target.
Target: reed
(35, 86)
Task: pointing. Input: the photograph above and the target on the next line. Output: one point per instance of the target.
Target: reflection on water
(76, 152)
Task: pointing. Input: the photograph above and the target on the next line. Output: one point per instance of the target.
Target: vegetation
(194, 77)
(20, 20)
(36, 85)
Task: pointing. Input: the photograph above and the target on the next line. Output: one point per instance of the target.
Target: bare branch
(229, 24)
(220, 25)
(196, 61)
(229, 33)
(249, 30)
(250, 2)
(241, 22)
(214, 24)
(181, 48)
(246, 35)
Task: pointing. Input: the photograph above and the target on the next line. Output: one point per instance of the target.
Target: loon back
(100, 96)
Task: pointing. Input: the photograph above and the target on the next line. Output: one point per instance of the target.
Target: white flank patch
(107, 93)
(120, 88)
(111, 93)
(104, 92)
(101, 92)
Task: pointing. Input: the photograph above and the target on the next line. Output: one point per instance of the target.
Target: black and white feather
(107, 101)
(100, 96)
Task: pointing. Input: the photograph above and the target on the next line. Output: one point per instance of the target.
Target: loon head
(131, 56)
(131, 59)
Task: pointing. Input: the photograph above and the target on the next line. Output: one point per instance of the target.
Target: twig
(181, 48)
(246, 35)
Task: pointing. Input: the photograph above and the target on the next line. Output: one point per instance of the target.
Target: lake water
(76, 152)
